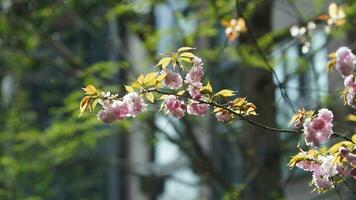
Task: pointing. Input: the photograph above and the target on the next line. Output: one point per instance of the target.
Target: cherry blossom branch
(212, 103)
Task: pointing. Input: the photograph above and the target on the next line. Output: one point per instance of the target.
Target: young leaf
(129, 89)
(84, 104)
(225, 93)
(180, 93)
(185, 49)
(90, 89)
(164, 62)
(150, 79)
(187, 55)
(150, 97)
(207, 88)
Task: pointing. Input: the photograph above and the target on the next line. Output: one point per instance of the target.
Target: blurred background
(49, 50)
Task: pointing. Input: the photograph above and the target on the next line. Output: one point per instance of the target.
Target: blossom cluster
(329, 168)
(131, 105)
(180, 96)
(318, 130)
(344, 61)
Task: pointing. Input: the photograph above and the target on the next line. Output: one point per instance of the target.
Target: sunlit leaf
(207, 88)
(150, 97)
(187, 55)
(129, 89)
(90, 89)
(164, 62)
(225, 93)
(185, 49)
(150, 79)
(180, 93)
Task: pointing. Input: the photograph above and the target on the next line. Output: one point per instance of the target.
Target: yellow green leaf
(188, 60)
(164, 62)
(140, 79)
(351, 117)
(129, 88)
(84, 104)
(207, 88)
(180, 93)
(150, 79)
(163, 97)
(354, 138)
(150, 97)
(187, 55)
(225, 93)
(185, 49)
(161, 77)
(90, 89)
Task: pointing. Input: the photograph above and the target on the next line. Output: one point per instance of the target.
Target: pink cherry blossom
(321, 179)
(120, 109)
(107, 114)
(194, 76)
(223, 116)
(350, 157)
(308, 165)
(172, 80)
(345, 61)
(328, 165)
(194, 92)
(349, 81)
(134, 103)
(350, 98)
(326, 115)
(319, 129)
(175, 106)
(197, 61)
(196, 108)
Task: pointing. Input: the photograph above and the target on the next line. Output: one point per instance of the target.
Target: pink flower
(120, 109)
(328, 165)
(134, 103)
(172, 80)
(196, 108)
(319, 129)
(345, 61)
(326, 115)
(322, 182)
(194, 92)
(107, 115)
(197, 61)
(350, 98)
(223, 116)
(349, 81)
(175, 106)
(308, 165)
(350, 157)
(194, 76)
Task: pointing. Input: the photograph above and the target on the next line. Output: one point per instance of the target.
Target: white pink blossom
(223, 116)
(308, 165)
(175, 106)
(319, 129)
(196, 108)
(134, 103)
(328, 165)
(107, 114)
(194, 92)
(345, 61)
(194, 76)
(173, 80)
(120, 109)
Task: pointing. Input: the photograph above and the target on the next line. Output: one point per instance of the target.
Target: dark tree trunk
(261, 157)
